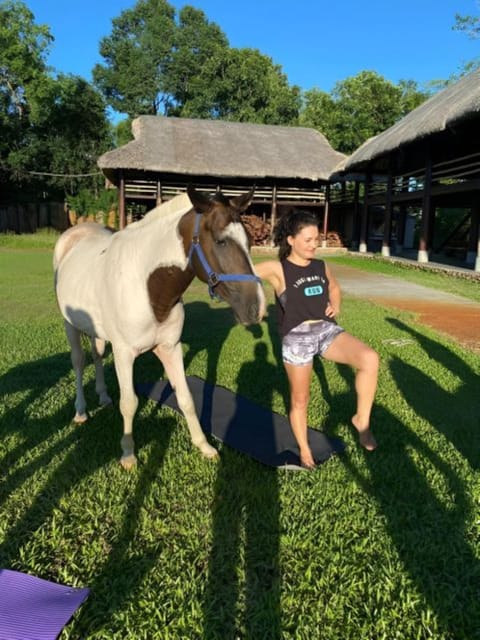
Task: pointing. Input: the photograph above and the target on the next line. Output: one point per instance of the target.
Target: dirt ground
(452, 315)
(459, 322)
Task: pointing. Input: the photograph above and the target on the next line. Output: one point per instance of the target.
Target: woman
(308, 299)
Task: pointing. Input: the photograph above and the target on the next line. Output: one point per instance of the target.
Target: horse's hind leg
(172, 360)
(78, 363)
(98, 348)
(123, 359)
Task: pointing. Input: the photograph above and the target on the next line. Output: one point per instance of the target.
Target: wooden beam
(362, 247)
(325, 216)
(273, 216)
(426, 223)
(121, 202)
(387, 225)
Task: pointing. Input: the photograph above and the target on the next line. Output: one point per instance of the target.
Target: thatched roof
(223, 149)
(456, 103)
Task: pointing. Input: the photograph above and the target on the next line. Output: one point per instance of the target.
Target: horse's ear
(200, 201)
(241, 203)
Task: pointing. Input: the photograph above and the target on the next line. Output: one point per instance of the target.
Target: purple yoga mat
(35, 609)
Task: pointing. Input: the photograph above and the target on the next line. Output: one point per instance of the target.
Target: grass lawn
(368, 546)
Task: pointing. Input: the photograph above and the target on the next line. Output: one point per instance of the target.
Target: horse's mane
(167, 211)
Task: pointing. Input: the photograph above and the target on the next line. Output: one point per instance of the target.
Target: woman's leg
(299, 378)
(346, 349)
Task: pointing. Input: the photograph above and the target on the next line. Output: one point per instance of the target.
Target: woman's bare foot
(306, 459)
(365, 436)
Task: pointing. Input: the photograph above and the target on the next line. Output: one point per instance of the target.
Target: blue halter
(213, 278)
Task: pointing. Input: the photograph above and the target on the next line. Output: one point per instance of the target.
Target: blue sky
(317, 43)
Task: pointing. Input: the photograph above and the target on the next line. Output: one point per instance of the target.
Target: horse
(126, 287)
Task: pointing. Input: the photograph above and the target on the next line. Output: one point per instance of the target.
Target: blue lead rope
(213, 278)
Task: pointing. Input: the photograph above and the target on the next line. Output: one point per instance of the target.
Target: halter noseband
(213, 278)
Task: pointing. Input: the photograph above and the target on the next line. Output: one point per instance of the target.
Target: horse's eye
(220, 243)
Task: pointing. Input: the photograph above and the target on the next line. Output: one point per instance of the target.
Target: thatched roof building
(430, 159)
(213, 149)
(287, 165)
(450, 112)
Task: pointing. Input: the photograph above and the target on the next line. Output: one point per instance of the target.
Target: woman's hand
(331, 311)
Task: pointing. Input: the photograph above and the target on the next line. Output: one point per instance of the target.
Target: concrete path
(453, 315)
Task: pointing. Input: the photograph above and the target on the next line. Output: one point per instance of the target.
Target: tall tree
(156, 63)
(470, 25)
(137, 56)
(318, 112)
(198, 46)
(250, 87)
(23, 51)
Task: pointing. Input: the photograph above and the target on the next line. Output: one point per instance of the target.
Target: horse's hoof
(80, 418)
(128, 462)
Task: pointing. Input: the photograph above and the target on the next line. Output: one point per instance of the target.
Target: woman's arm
(271, 271)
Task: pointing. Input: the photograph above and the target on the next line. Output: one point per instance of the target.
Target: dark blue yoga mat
(35, 609)
(245, 425)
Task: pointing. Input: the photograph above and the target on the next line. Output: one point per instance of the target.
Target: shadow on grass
(125, 568)
(242, 596)
(457, 415)
(31, 380)
(245, 547)
(429, 533)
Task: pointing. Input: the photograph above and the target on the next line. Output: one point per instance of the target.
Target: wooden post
(362, 247)
(273, 216)
(159, 197)
(325, 216)
(387, 226)
(473, 253)
(356, 216)
(401, 222)
(121, 202)
(426, 225)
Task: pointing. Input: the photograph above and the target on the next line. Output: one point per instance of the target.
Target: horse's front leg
(124, 358)
(172, 359)
(78, 364)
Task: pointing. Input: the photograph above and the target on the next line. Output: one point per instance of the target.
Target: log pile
(258, 231)
(334, 239)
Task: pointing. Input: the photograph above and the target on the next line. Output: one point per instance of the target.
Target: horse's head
(218, 249)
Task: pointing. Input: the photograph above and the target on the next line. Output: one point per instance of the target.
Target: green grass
(369, 546)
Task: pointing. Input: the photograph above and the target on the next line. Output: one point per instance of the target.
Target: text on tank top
(305, 296)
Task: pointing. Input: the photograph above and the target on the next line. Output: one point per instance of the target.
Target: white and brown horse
(126, 288)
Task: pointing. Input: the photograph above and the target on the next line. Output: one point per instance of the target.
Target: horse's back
(71, 237)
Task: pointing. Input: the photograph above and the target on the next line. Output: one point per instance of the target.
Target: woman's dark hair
(289, 224)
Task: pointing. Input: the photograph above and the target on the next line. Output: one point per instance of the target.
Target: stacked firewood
(334, 239)
(258, 231)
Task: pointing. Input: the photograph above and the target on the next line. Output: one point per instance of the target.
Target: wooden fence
(27, 218)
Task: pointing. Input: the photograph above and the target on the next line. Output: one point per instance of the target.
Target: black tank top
(305, 296)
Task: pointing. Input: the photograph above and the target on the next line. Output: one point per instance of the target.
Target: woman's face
(305, 242)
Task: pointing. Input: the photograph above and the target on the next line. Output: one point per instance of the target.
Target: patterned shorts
(307, 340)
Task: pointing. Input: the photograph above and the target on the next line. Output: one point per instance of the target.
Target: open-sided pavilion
(427, 160)
(287, 165)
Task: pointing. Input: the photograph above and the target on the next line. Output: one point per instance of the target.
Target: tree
(470, 25)
(190, 79)
(155, 64)
(138, 54)
(412, 95)
(68, 130)
(249, 87)
(318, 112)
(22, 55)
